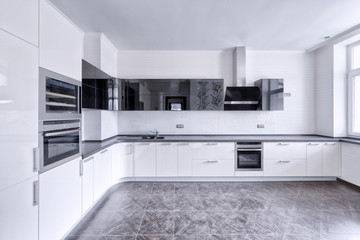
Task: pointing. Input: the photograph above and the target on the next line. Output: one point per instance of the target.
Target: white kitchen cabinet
(60, 43)
(166, 159)
(350, 163)
(331, 159)
(314, 157)
(18, 109)
(285, 167)
(144, 159)
(59, 200)
(213, 150)
(21, 18)
(212, 168)
(102, 172)
(184, 156)
(122, 161)
(19, 213)
(286, 150)
(87, 183)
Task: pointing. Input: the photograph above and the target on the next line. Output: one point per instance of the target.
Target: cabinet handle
(104, 151)
(212, 161)
(284, 161)
(165, 143)
(81, 168)
(144, 143)
(36, 193)
(183, 144)
(330, 143)
(88, 159)
(313, 144)
(212, 144)
(36, 158)
(130, 149)
(283, 144)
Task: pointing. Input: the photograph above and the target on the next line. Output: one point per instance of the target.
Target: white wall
(297, 69)
(99, 124)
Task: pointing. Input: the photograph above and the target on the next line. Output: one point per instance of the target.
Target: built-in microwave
(59, 96)
(59, 142)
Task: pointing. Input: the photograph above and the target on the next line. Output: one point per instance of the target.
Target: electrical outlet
(261, 126)
(179, 125)
(287, 94)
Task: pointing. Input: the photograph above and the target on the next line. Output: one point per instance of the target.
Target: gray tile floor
(228, 211)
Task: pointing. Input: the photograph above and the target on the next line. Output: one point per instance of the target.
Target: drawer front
(285, 167)
(285, 150)
(213, 150)
(210, 168)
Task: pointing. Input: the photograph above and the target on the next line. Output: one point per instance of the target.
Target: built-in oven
(59, 142)
(59, 96)
(249, 156)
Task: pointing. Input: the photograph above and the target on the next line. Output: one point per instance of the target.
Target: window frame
(352, 73)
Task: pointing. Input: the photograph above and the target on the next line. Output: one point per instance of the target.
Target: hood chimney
(239, 66)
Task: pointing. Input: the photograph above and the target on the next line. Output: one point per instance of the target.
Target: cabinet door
(102, 172)
(61, 43)
(122, 161)
(314, 156)
(60, 200)
(166, 159)
(285, 167)
(331, 159)
(144, 160)
(18, 109)
(289, 150)
(87, 183)
(212, 168)
(19, 213)
(213, 150)
(21, 18)
(184, 159)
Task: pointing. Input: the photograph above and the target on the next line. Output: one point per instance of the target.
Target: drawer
(285, 150)
(284, 167)
(213, 150)
(210, 168)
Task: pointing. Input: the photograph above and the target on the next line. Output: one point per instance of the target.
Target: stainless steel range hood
(242, 98)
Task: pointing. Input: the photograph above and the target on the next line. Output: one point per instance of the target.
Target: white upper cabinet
(19, 211)
(100, 52)
(18, 109)
(60, 43)
(166, 159)
(20, 18)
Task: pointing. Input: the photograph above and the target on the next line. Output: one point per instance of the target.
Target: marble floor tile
(303, 222)
(268, 222)
(123, 223)
(254, 202)
(161, 202)
(92, 224)
(337, 222)
(229, 222)
(191, 222)
(119, 237)
(334, 203)
(186, 188)
(163, 188)
(308, 202)
(188, 202)
(155, 237)
(157, 223)
(132, 203)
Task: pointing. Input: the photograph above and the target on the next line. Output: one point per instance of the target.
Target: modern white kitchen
(179, 120)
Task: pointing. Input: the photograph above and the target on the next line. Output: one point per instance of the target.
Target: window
(354, 89)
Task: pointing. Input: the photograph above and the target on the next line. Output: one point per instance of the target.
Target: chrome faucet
(156, 132)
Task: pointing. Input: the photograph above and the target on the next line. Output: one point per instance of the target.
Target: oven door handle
(52, 134)
(249, 150)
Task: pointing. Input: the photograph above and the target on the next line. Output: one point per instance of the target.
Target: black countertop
(91, 147)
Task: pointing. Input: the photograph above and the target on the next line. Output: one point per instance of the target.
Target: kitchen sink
(152, 137)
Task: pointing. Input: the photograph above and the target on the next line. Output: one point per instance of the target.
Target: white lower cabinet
(212, 168)
(19, 211)
(144, 159)
(184, 156)
(122, 160)
(331, 159)
(59, 200)
(166, 159)
(285, 167)
(87, 183)
(314, 157)
(102, 172)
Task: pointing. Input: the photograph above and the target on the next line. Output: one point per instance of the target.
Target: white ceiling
(213, 24)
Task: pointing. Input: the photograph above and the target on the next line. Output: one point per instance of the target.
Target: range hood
(242, 98)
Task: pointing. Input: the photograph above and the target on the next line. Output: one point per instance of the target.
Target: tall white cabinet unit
(61, 43)
(19, 119)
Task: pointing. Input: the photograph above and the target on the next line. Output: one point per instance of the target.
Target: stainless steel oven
(59, 142)
(249, 156)
(59, 96)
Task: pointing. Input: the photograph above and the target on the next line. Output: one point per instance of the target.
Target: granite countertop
(91, 147)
